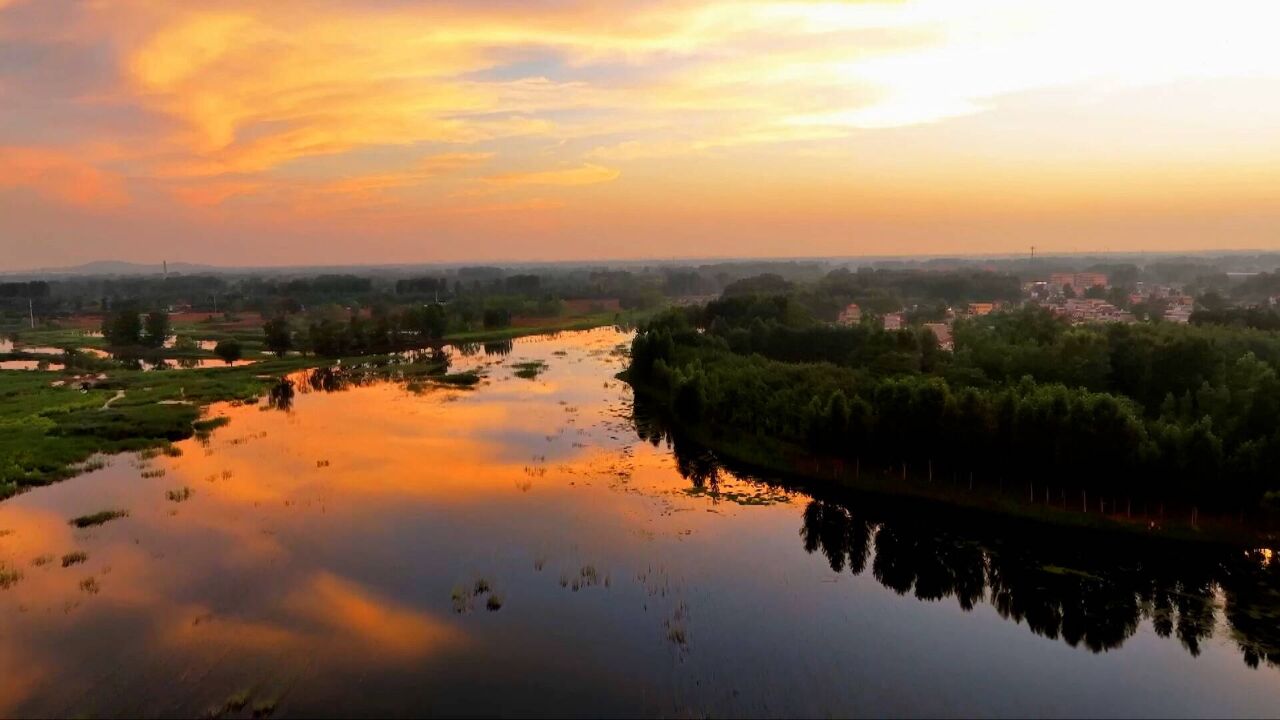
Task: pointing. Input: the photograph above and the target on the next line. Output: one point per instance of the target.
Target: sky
(389, 131)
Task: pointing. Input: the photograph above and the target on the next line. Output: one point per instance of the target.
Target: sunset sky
(309, 131)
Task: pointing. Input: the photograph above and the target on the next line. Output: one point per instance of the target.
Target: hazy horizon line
(668, 260)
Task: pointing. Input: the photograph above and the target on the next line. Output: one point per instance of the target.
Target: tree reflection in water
(1084, 587)
(501, 348)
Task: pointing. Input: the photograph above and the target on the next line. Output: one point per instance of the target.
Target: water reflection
(169, 364)
(519, 549)
(499, 347)
(1089, 591)
(281, 395)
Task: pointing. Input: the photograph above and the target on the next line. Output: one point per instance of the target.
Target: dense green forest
(1149, 410)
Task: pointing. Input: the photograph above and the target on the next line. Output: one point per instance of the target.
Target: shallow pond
(189, 364)
(29, 365)
(540, 547)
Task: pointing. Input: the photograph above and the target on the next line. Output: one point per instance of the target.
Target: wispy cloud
(567, 177)
(296, 110)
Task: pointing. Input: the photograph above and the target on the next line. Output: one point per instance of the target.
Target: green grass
(48, 433)
(51, 433)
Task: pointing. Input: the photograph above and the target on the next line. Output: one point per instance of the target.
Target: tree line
(1149, 411)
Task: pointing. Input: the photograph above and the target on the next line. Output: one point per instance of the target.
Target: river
(540, 547)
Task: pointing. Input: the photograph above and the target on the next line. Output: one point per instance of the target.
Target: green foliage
(229, 350)
(495, 318)
(123, 327)
(278, 336)
(1186, 411)
(156, 330)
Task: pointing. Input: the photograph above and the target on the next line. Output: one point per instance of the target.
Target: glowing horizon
(383, 131)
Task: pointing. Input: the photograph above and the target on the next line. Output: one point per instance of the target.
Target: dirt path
(107, 405)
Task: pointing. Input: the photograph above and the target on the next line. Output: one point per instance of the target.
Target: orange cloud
(585, 175)
(60, 176)
(216, 192)
(306, 119)
(368, 622)
(428, 167)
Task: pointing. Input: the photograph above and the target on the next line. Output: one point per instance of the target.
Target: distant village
(1080, 297)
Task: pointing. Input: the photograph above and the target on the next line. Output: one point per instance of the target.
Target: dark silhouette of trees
(123, 327)
(156, 329)
(1133, 411)
(228, 350)
(496, 318)
(278, 336)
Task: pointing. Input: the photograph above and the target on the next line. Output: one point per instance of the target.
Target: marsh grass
(89, 466)
(9, 576)
(41, 560)
(74, 558)
(180, 495)
(494, 603)
(90, 585)
(236, 702)
(530, 370)
(461, 379)
(460, 598)
(677, 635)
(98, 518)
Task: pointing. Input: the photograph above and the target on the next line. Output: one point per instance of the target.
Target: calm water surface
(525, 548)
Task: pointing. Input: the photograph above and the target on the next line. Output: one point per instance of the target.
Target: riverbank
(52, 424)
(553, 325)
(795, 466)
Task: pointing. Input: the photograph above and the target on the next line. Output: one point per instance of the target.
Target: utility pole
(31, 310)
(1033, 252)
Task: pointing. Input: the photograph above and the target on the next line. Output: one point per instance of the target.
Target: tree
(123, 327)
(429, 321)
(157, 329)
(496, 318)
(229, 350)
(279, 336)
